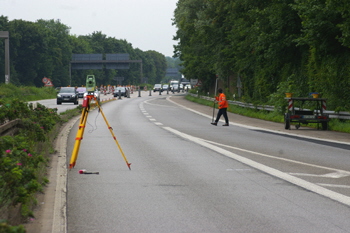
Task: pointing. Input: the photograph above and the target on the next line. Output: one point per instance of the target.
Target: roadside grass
(25, 153)
(26, 93)
(333, 125)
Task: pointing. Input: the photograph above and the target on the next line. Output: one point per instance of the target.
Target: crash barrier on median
(9, 128)
(332, 114)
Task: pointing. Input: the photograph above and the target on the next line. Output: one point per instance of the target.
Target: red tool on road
(83, 171)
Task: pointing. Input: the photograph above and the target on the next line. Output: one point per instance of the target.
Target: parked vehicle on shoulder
(67, 95)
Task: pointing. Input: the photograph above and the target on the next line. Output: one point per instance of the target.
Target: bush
(22, 159)
(6, 228)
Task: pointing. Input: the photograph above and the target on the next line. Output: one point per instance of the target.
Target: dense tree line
(44, 49)
(271, 46)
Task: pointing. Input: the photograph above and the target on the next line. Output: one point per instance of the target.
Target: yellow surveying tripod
(84, 115)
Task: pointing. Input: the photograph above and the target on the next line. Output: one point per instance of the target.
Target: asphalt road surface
(189, 176)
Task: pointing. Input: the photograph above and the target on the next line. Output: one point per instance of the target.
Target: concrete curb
(59, 223)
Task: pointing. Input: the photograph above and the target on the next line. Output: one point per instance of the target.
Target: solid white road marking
(335, 175)
(274, 172)
(335, 185)
(337, 171)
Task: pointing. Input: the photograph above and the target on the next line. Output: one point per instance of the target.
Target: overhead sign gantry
(96, 62)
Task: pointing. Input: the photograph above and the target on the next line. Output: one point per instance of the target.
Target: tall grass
(24, 93)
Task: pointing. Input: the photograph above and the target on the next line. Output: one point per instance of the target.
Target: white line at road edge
(274, 172)
(336, 173)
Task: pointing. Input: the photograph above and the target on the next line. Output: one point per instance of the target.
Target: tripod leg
(114, 137)
(79, 137)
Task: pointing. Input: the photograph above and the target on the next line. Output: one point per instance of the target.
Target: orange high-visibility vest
(222, 100)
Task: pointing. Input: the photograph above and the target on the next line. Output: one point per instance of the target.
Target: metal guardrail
(9, 128)
(338, 115)
(332, 114)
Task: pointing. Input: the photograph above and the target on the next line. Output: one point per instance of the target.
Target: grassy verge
(24, 156)
(24, 93)
(334, 124)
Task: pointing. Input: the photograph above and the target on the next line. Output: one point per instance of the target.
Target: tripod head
(90, 84)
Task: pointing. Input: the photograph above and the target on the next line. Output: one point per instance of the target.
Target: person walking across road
(223, 105)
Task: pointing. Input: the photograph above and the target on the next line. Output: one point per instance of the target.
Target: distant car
(67, 95)
(165, 87)
(81, 91)
(123, 91)
(175, 87)
(157, 87)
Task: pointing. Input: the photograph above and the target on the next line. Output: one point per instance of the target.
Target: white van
(172, 83)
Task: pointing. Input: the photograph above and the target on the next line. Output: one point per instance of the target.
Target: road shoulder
(244, 121)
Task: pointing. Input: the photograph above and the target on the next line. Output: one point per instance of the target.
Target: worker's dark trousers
(222, 111)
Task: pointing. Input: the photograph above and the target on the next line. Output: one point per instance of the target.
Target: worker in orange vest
(223, 105)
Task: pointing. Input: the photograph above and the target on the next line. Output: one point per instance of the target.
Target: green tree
(159, 63)
(323, 25)
(55, 64)
(28, 47)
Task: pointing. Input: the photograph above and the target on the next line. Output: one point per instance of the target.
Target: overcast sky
(146, 24)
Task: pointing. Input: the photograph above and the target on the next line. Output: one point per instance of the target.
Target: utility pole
(5, 35)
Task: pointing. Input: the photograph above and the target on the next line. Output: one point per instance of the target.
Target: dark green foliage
(44, 49)
(22, 160)
(6, 228)
(268, 44)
